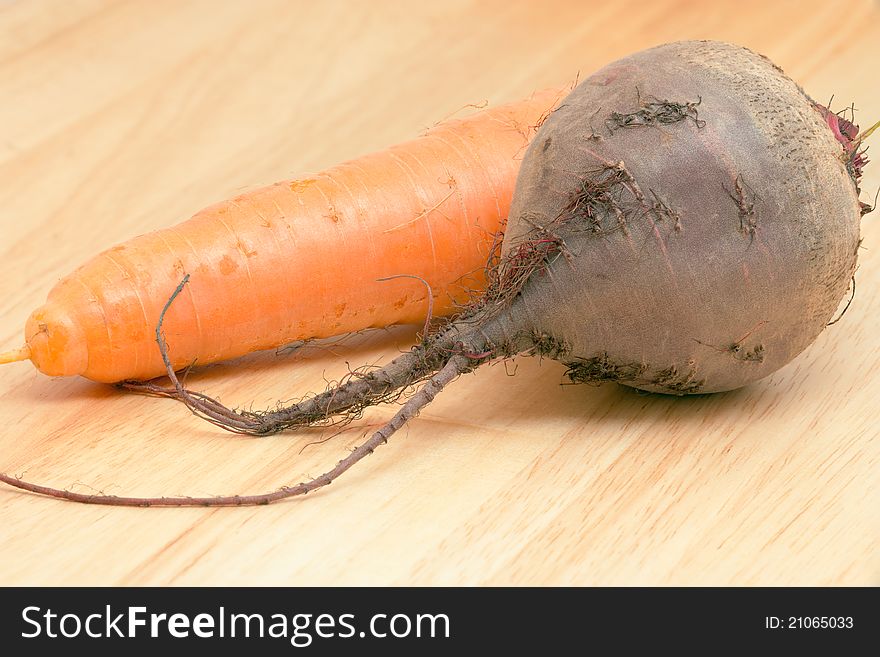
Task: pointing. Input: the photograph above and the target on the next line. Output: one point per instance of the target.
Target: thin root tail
(15, 355)
(455, 366)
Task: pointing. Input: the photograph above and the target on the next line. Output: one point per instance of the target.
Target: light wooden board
(118, 118)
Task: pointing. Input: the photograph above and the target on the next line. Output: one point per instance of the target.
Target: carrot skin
(298, 259)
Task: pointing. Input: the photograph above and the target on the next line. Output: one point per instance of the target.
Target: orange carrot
(296, 260)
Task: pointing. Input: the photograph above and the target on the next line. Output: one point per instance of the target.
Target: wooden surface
(118, 118)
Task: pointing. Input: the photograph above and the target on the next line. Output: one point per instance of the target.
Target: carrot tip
(15, 355)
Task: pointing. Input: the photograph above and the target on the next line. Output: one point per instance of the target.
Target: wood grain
(122, 117)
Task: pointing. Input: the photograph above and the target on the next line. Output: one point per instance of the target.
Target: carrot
(295, 260)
